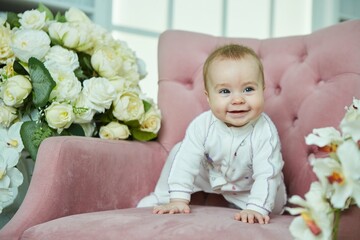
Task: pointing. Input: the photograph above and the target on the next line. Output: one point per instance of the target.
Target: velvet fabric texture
(87, 188)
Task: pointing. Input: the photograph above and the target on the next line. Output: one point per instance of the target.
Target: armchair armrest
(76, 175)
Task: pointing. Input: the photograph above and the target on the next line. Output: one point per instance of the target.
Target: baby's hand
(250, 216)
(175, 206)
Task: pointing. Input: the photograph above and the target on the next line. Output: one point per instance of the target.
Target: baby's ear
(207, 95)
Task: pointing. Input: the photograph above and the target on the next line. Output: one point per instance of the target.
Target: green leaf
(42, 82)
(142, 136)
(85, 65)
(43, 8)
(74, 129)
(32, 134)
(80, 74)
(133, 123)
(147, 105)
(13, 19)
(19, 69)
(60, 18)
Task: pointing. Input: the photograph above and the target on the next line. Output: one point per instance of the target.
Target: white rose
(151, 121)
(114, 131)
(67, 86)
(106, 62)
(59, 116)
(5, 41)
(7, 115)
(83, 112)
(76, 15)
(72, 35)
(63, 57)
(8, 69)
(128, 106)
(28, 43)
(68, 89)
(122, 85)
(99, 92)
(32, 19)
(15, 90)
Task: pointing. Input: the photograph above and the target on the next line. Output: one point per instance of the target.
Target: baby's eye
(249, 89)
(224, 91)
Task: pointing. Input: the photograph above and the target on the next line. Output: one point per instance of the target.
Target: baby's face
(235, 91)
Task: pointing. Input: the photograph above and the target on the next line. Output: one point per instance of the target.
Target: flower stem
(335, 231)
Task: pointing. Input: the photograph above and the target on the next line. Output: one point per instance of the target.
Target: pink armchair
(87, 188)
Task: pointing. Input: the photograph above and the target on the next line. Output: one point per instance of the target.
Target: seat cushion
(204, 222)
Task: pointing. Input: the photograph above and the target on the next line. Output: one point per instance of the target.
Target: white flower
(99, 92)
(32, 19)
(67, 86)
(10, 176)
(151, 121)
(122, 85)
(128, 106)
(76, 15)
(316, 216)
(6, 52)
(343, 178)
(28, 43)
(91, 69)
(114, 131)
(10, 138)
(350, 125)
(59, 116)
(15, 90)
(72, 35)
(88, 128)
(8, 70)
(83, 111)
(63, 57)
(327, 138)
(7, 197)
(7, 115)
(107, 62)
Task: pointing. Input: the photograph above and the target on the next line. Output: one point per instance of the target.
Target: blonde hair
(235, 52)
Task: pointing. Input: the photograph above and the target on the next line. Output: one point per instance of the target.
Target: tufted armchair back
(309, 80)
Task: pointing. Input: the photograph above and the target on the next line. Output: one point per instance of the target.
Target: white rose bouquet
(338, 185)
(64, 75)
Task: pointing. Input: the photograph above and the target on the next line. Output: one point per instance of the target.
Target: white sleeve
(187, 161)
(267, 166)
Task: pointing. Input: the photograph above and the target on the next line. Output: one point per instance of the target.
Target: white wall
(139, 23)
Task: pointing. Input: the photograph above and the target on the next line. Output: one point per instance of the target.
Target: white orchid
(350, 125)
(7, 196)
(10, 176)
(10, 138)
(326, 138)
(316, 215)
(339, 176)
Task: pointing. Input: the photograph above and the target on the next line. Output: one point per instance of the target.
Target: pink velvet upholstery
(86, 188)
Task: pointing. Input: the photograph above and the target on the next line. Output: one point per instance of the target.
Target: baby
(233, 149)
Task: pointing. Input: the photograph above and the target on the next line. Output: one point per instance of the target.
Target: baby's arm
(175, 206)
(251, 216)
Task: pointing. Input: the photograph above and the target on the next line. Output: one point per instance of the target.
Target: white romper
(244, 164)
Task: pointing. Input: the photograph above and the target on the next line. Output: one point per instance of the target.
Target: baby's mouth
(238, 111)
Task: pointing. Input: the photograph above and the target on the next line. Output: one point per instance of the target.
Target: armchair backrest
(309, 80)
